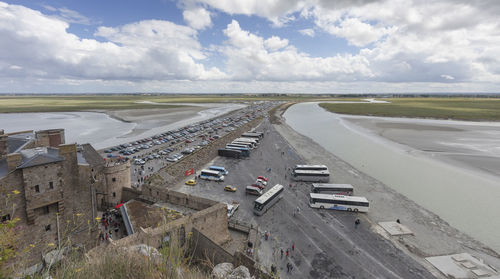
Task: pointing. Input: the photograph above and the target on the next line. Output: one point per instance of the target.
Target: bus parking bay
(327, 244)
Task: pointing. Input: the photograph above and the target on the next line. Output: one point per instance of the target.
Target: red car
(262, 178)
(259, 185)
(188, 141)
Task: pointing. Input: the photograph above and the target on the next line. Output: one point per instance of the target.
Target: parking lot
(153, 153)
(326, 243)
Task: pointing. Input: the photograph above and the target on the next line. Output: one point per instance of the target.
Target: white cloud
(355, 31)
(307, 32)
(274, 43)
(249, 57)
(197, 18)
(406, 45)
(68, 15)
(41, 46)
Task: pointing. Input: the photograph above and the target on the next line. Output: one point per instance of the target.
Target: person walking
(288, 267)
(287, 253)
(293, 247)
(356, 223)
(282, 253)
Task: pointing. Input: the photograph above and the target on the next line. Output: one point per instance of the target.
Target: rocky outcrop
(226, 271)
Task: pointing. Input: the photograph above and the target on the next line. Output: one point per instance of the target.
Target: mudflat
(474, 145)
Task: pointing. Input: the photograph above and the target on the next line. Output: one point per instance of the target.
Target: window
(113, 179)
(37, 188)
(51, 185)
(114, 194)
(47, 228)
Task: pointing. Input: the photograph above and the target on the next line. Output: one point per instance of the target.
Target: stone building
(55, 189)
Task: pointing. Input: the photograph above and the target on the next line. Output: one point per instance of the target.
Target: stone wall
(158, 194)
(52, 137)
(130, 194)
(181, 227)
(204, 249)
(43, 185)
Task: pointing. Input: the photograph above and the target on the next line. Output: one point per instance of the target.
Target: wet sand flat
(472, 145)
(151, 118)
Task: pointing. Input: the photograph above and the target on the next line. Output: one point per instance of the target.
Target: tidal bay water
(465, 197)
(99, 129)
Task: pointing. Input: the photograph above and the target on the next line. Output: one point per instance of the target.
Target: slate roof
(18, 141)
(39, 156)
(88, 155)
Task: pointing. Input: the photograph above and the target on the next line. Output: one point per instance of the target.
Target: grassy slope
(441, 108)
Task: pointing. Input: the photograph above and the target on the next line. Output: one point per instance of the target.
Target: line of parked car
(199, 135)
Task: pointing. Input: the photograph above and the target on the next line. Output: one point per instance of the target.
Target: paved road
(327, 245)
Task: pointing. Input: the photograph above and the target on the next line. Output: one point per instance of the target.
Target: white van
(252, 190)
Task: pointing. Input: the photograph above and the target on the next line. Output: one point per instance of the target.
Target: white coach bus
(268, 199)
(338, 202)
(311, 175)
(338, 189)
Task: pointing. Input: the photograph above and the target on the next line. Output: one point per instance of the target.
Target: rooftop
(39, 156)
(16, 142)
(88, 155)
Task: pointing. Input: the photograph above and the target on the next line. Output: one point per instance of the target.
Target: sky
(249, 46)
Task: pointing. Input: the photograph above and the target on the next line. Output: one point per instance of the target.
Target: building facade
(55, 190)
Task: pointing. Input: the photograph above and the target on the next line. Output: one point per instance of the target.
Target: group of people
(110, 223)
(287, 252)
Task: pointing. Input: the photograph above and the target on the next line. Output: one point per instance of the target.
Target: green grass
(471, 109)
(54, 103)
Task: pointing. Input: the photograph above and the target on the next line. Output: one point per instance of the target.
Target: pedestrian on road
(291, 267)
(282, 253)
(293, 247)
(288, 267)
(356, 223)
(287, 253)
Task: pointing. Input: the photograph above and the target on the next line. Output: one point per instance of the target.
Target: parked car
(263, 182)
(172, 159)
(262, 178)
(229, 188)
(259, 185)
(191, 182)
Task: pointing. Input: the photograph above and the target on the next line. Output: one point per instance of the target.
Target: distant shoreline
(427, 108)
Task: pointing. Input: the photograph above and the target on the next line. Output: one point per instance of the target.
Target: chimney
(13, 160)
(4, 144)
